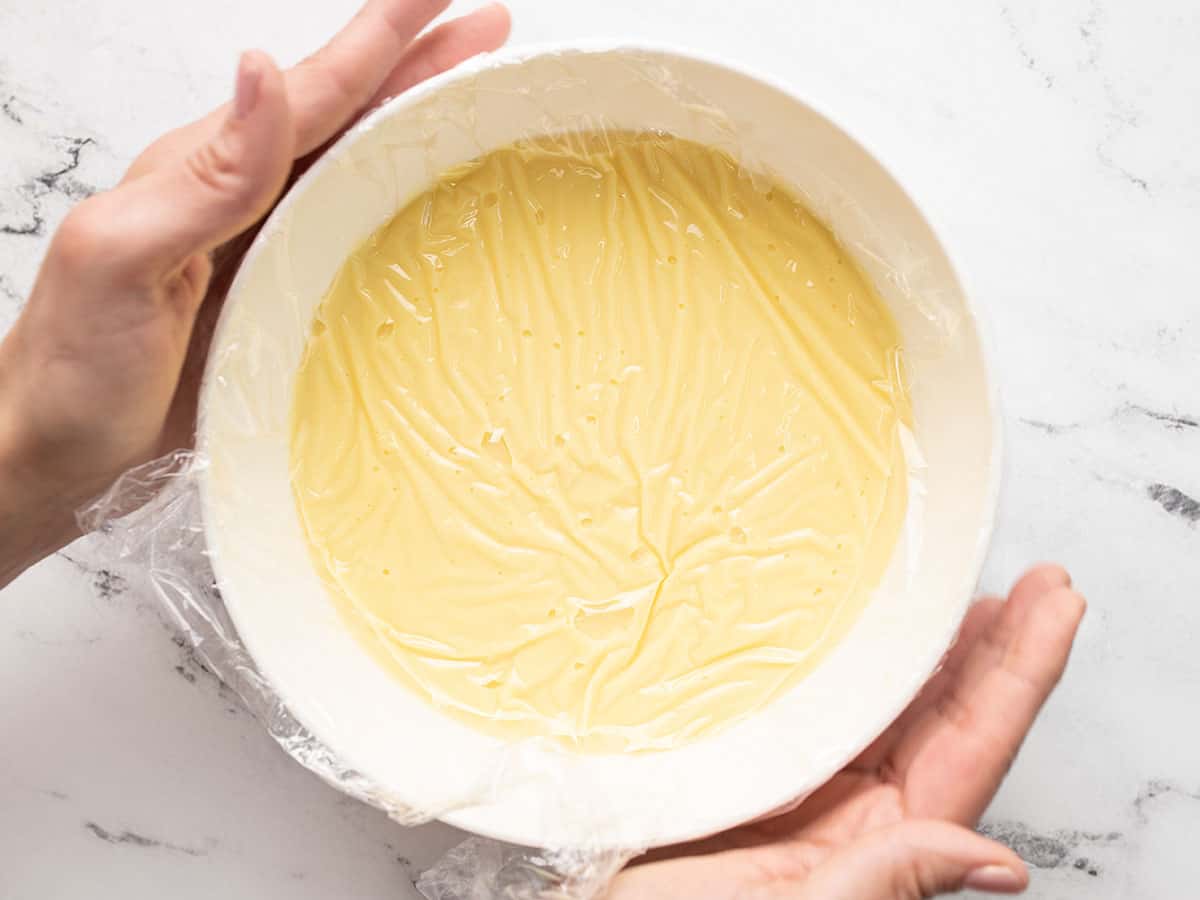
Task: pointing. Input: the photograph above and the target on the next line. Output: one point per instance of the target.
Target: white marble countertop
(1059, 146)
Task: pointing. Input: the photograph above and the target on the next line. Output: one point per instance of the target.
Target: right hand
(896, 824)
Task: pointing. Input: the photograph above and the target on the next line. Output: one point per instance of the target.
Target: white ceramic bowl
(536, 794)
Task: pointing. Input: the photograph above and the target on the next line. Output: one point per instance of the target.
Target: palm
(942, 760)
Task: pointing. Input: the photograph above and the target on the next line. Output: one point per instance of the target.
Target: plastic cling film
(600, 438)
(227, 511)
(478, 869)
(148, 526)
(452, 127)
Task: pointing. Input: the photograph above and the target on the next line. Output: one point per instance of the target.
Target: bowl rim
(790, 792)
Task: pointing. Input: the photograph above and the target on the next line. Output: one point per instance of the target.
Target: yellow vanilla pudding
(599, 438)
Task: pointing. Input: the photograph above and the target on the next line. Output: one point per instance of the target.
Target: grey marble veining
(1057, 145)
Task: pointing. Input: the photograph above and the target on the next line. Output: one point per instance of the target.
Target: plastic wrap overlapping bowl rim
(804, 783)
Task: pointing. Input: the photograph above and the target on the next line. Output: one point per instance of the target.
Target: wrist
(37, 515)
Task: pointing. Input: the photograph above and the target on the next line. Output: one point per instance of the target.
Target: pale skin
(100, 373)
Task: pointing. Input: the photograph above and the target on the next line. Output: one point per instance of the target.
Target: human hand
(101, 371)
(896, 823)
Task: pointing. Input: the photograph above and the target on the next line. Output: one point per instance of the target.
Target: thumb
(222, 187)
(915, 860)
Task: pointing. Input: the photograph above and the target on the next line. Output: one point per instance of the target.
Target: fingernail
(245, 92)
(997, 879)
(1059, 576)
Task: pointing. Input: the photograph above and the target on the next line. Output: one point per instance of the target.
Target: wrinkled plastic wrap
(148, 525)
(151, 523)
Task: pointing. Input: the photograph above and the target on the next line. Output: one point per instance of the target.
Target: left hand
(896, 823)
(101, 371)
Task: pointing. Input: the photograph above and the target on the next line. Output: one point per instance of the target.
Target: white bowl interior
(533, 793)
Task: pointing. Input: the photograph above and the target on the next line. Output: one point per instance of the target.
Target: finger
(445, 47)
(846, 805)
(222, 187)
(979, 617)
(907, 860)
(440, 50)
(327, 89)
(731, 875)
(1039, 580)
(335, 83)
(951, 762)
(179, 428)
(842, 808)
(912, 861)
